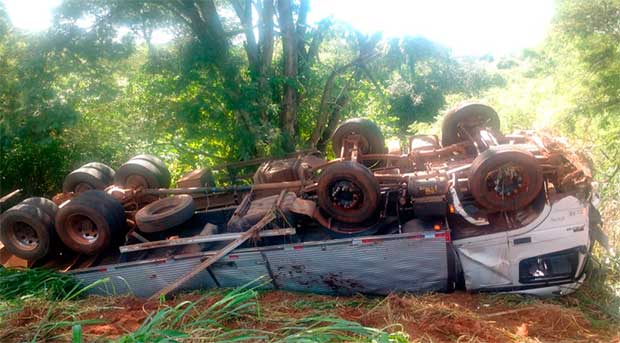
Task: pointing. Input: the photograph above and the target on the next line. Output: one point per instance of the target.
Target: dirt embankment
(461, 317)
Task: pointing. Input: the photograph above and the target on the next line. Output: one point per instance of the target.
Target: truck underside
(478, 210)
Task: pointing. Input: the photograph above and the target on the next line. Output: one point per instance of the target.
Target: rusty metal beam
(201, 239)
(214, 190)
(270, 216)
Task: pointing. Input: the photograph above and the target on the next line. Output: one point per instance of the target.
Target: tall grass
(224, 321)
(18, 284)
(200, 320)
(329, 329)
(51, 295)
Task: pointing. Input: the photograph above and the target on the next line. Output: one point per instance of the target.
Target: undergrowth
(16, 284)
(47, 296)
(50, 307)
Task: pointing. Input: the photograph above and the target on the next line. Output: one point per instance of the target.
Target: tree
(424, 73)
(264, 87)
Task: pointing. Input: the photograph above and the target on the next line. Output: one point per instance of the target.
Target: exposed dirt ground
(461, 317)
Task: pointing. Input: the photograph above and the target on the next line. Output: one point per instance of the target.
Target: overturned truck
(476, 210)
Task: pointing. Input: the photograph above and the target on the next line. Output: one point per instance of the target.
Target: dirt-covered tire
(26, 231)
(505, 178)
(46, 205)
(165, 213)
(164, 179)
(103, 168)
(372, 141)
(84, 179)
(90, 222)
(138, 174)
(468, 116)
(348, 192)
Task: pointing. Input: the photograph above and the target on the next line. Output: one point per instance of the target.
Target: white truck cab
(546, 256)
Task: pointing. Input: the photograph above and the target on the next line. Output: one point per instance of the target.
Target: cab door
(485, 261)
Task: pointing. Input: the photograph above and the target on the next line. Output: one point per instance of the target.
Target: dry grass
(275, 316)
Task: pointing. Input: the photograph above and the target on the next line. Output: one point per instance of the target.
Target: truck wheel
(25, 231)
(164, 180)
(505, 178)
(348, 192)
(371, 138)
(138, 174)
(111, 204)
(84, 179)
(165, 213)
(467, 116)
(90, 222)
(46, 205)
(104, 169)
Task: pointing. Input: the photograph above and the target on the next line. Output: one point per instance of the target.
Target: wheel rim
(24, 236)
(346, 195)
(507, 181)
(82, 229)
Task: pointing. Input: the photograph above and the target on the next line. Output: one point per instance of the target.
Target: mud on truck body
(474, 209)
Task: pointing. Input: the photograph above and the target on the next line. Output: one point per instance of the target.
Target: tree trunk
(288, 111)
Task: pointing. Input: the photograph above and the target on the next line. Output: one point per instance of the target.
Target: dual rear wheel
(90, 176)
(143, 171)
(91, 222)
(27, 229)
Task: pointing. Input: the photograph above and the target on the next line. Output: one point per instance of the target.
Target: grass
(246, 315)
(58, 311)
(42, 283)
(192, 319)
(217, 321)
(45, 295)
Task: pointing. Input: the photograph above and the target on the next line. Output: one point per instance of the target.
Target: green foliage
(18, 284)
(95, 92)
(424, 73)
(570, 85)
(42, 89)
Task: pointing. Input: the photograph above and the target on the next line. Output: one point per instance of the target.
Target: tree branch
(324, 110)
(244, 12)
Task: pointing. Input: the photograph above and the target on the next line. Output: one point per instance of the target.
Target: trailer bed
(409, 262)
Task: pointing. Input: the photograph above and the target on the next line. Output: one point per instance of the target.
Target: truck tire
(138, 174)
(348, 192)
(104, 169)
(26, 231)
(505, 178)
(46, 205)
(112, 205)
(372, 141)
(469, 115)
(165, 213)
(164, 180)
(84, 179)
(90, 222)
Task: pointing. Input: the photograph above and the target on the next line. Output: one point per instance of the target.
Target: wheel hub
(25, 236)
(83, 229)
(506, 181)
(346, 195)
